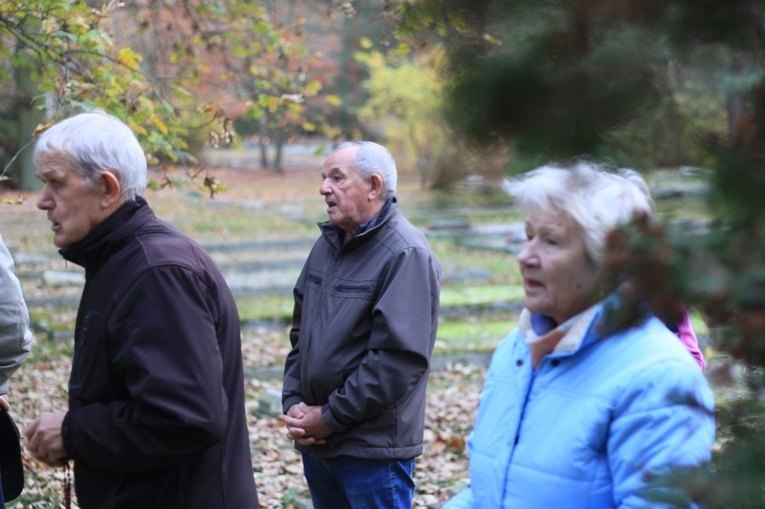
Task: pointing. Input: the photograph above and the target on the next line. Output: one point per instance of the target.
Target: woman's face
(559, 279)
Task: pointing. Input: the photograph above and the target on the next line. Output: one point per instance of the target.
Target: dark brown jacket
(156, 395)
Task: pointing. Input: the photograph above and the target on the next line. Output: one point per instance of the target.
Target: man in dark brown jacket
(364, 326)
(156, 414)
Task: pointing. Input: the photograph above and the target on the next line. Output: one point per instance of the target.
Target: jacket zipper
(523, 411)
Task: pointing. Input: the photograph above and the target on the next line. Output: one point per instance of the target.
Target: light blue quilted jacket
(591, 427)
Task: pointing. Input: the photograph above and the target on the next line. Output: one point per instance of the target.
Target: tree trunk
(263, 154)
(28, 117)
(278, 145)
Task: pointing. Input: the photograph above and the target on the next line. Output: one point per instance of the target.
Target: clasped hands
(305, 425)
(43, 439)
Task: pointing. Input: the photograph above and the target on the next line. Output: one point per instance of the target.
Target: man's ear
(375, 186)
(112, 189)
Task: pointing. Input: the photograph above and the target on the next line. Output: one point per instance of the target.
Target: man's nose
(44, 201)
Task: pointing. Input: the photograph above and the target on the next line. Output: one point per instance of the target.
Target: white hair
(597, 199)
(373, 158)
(98, 142)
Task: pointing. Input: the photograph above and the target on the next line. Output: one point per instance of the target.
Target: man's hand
(305, 425)
(43, 439)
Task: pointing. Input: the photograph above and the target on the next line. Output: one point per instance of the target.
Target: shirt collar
(543, 336)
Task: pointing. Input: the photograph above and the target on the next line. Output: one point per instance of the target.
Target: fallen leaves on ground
(41, 386)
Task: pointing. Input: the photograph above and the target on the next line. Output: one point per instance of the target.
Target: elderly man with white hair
(156, 413)
(364, 326)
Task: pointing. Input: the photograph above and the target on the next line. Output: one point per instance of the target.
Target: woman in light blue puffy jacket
(577, 412)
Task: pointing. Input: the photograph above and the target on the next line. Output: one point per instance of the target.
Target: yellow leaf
(270, 102)
(148, 103)
(333, 100)
(309, 126)
(129, 59)
(41, 128)
(313, 87)
(17, 201)
(403, 49)
(365, 43)
(159, 124)
(138, 129)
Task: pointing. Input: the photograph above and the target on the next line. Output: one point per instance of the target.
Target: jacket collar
(544, 337)
(93, 250)
(334, 234)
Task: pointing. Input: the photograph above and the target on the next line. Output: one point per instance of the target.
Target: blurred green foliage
(647, 84)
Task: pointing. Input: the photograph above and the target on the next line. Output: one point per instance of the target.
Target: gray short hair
(597, 199)
(98, 142)
(373, 158)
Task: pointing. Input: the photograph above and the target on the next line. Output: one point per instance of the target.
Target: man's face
(74, 207)
(348, 199)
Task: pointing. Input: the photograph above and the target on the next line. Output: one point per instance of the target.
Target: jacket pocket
(355, 289)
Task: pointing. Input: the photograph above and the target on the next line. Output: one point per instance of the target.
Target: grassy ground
(263, 206)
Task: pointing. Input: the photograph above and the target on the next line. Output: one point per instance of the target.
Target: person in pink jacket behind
(684, 331)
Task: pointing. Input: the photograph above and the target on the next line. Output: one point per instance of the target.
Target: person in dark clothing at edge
(364, 326)
(156, 393)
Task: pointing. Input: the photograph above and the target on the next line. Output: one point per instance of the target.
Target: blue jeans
(358, 483)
